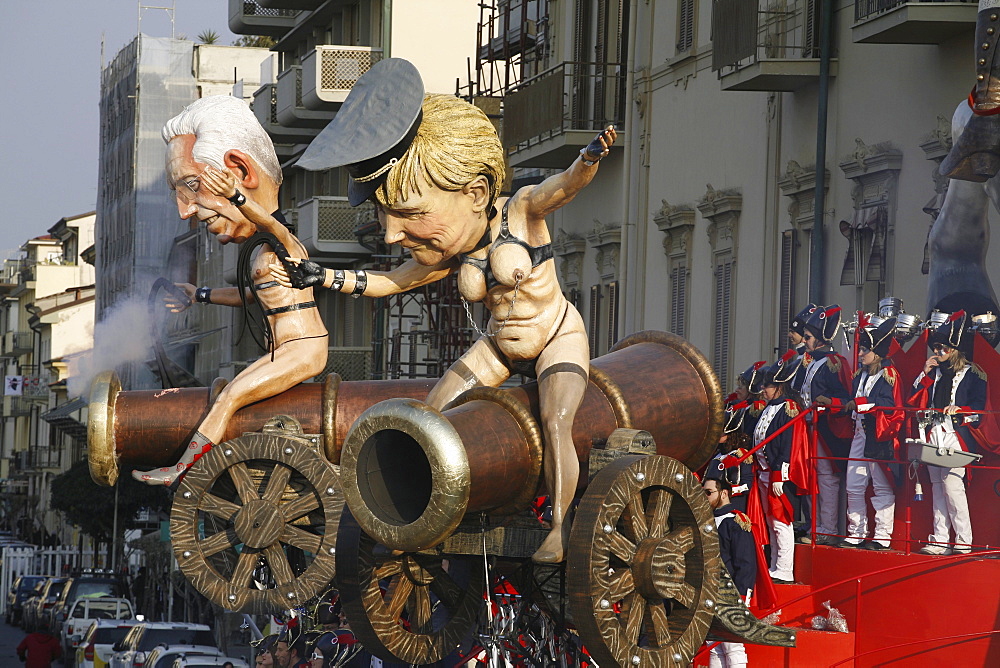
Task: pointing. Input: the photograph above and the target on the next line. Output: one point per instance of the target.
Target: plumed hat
(373, 129)
(824, 321)
(734, 418)
(785, 368)
(952, 333)
(749, 377)
(879, 338)
(798, 323)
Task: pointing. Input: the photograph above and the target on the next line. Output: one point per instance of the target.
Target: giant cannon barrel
(149, 428)
(410, 473)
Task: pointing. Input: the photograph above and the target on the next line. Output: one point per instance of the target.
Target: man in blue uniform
(736, 545)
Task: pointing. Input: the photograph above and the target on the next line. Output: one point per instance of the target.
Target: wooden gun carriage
(397, 513)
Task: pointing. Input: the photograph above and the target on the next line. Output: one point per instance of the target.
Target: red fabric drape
(988, 431)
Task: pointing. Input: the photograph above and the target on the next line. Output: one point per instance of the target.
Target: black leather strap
(290, 307)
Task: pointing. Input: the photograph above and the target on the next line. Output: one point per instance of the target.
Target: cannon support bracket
(620, 443)
(517, 538)
(733, 622)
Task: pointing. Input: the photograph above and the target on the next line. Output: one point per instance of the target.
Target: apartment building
(46, 318)
(702, 221)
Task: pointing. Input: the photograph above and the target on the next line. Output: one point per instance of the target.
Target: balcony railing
(568, 97)
(330, 72)
(18, 343)
(291, 111)
(247, 17)
(41, 457)
(35, 382)
(902, 22)
(327, 226)
(265, 108)
(16, 406)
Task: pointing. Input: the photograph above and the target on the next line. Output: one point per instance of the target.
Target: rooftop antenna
(169, 10)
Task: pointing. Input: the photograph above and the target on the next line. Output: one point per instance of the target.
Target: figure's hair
(455, 143)
(221, 123)
(960, 360)
(723, 485)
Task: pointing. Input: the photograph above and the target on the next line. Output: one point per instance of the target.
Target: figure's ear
(243, 166)
(479, 190)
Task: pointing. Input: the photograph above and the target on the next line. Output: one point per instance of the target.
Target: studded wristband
(239, 199)
(338, 280)
(360, 283)
(203, 295)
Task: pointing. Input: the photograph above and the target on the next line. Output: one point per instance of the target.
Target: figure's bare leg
(480, 365)
(563, 369)
(294, 362)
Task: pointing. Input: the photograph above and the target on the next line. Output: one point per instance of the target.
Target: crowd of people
(766, 457)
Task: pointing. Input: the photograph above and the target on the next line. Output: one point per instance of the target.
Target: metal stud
(330, 490)
(640, 476)
(709, 528)
(993, 17)
(288, 451)
(232, 597)
(291, 594)
(186, 495)
(679, 477)
(608, 528)
(605, 604)
(709, 603)
(636, 660)
(677, 656)
(332, 550)
(986, 46)
(186, 553)
(227, 452)
(792, 637)
(990, 31)
(982, 61)
(980, 77)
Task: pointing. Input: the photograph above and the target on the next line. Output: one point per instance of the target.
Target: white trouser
(950, 506)
(727, 655)
(828, 498)
(782, 536)
(883, 499)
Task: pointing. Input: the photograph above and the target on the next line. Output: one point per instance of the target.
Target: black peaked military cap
(373, 129)
(798, 323)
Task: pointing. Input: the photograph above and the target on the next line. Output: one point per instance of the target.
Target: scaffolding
(512, 45)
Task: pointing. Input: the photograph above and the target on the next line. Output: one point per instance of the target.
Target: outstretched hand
(295, 272)
(173, 301)
(601, 145)
(219, 182)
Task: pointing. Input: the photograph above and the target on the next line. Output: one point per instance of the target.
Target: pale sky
(51, 59)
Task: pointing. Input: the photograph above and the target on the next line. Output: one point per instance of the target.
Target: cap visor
(357, 192)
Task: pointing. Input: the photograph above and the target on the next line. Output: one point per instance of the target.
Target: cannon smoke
(123, 336)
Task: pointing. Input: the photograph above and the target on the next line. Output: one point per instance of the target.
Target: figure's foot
(553, 548)
(171, 476)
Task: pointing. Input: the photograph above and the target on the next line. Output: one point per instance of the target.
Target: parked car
(145, 637)
(95, 650)
(189, 655)
(86, 585)
(18, 594)
(83, 614)
(37, 607)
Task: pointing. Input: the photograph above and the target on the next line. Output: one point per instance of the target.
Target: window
(686, 10)
(786, 296)
(678, 296)
(722, 321)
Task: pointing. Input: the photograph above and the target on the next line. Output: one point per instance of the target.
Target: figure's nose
(393, 228)
(186, 208)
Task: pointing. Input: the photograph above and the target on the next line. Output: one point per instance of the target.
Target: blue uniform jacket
(736, 545)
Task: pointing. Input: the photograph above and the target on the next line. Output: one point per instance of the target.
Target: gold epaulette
(739, 452)
(978, 370)
(791, 408)
(890, 374)
(742, 520)
(857, 372)
(834, 363)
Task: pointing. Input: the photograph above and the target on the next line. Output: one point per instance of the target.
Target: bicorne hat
(823, 322)
(879, 338)
(749, 377)
(373, 129)
(798, 323)
(952, 333)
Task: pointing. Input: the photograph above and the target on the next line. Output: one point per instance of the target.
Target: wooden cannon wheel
(413, 607)
(642, 573)
(254, 523)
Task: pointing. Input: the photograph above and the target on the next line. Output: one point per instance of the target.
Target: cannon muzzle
(149, 428)
(410, 473)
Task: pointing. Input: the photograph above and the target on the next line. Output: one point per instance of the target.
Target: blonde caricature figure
(225, 173)
(434, 166)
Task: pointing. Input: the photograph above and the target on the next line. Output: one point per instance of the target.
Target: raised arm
(559, 189)
(406, 276)
(221, 296)
(224, 184)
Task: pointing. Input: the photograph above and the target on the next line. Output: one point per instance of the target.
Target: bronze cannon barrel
(410, 473)
(149, 428)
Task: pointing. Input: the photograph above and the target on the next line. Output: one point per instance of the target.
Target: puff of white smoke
(122, 336)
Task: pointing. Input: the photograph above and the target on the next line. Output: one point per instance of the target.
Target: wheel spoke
(420, 610)
(399, 591)
(661, 626)
(219, 507)
(388, 569)
(244, 568)
(685, 595)
(621, 586)
(634, 518)
(301, 539)
(444, 587)
(218, 542)
(682, 539)
(621, 547)
(303, 505)
(243, 482)
(635, 605)
(277, 561)
(659, 510)
(276, 483)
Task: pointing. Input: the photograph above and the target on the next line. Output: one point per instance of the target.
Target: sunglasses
(316, 657)
(938, 348)
(710, 492)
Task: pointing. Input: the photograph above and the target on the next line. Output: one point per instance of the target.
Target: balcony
(291, 112)
(16, 406)
(326, 227)
(900, 22)
(39, 457)
(329, 73)
(247, 17)
(759, 48)
(307, 5)
(265, 108)
(35, 383)
(18, 343)
(548, 118)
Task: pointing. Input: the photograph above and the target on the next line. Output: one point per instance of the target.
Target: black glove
(305, 274)
(594, 150)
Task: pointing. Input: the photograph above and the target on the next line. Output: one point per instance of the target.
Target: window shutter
(786, 297)
(612, 314)
(810, 41)
(723, 309)
(678, 298)
(685, 25)
(595, 317)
